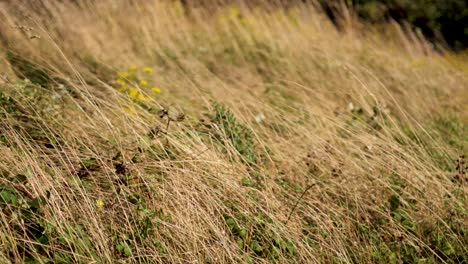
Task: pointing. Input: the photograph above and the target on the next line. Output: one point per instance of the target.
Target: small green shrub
(226, 127)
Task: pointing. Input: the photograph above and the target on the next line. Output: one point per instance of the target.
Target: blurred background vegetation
(442, 21)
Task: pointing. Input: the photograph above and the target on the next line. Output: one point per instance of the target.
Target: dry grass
(274, 103)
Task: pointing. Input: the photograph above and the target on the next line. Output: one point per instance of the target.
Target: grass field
(132, 132)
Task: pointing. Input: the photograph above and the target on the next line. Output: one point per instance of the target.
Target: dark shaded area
(24, 68)
(441, 21)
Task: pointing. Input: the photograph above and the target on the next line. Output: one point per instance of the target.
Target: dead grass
(260, 107)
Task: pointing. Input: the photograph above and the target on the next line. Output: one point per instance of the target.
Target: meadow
(136, 132)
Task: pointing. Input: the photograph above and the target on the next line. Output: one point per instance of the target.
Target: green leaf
(128, 251)
(240, 243)
(247, 182)
(255, 246)
(291, 249)
(119, 248)
(231, 223)
(242, 233)
(8, 197)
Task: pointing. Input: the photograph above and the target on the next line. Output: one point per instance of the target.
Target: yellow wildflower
(99, 203)
(123, 75)
(133, 92)
(147, 70)
(132, 68)
(156, 90)
(143, 83)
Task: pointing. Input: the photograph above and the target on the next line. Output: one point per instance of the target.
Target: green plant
(135, 86)
(122, 244)
(27, 218)
(255, 235)
(226, 127)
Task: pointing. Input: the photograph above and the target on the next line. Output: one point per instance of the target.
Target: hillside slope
(131, 133)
